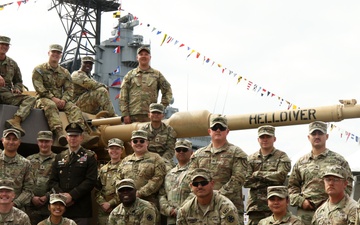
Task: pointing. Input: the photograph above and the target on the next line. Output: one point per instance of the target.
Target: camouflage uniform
(10, 71)
(344, 212)
(18, 169)
(264, 171)
(64, 221)
(306, 182)
(89, 95)
(140, 213)
(228, 165)
(48, 83)
(220, 211)
(41, 169)
(288, 219)
(14, 217)
(139, 89)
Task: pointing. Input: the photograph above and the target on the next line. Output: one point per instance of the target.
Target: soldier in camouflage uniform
(173, 194)
(278, 202)
(106, 195)
(306, 187)
(339, 208)
(132, 210)
(267, 167)
(11, 87)
(162, 137)
(147, 169)
(208, 206)
(8, 213)
(55, 90)
(57, 207)
(41, 168)
(140, 88)
(227, 162)
(89, 95)
(15, 167)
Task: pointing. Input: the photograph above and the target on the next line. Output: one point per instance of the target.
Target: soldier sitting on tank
(89, 95)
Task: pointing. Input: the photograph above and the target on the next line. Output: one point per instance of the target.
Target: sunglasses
(135, 141)
(203, 183)
(181, 150)
(218, 126)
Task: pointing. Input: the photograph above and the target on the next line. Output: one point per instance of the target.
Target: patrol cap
(57, 198)
(318, 125)
(87, 59)
(129, 183)
(218, 120)
(143, 48)
(266, 130)
(56, 47)
(115, 142)
(73, 129)
(139, 134)
(12, 131)
(7, 184)
(183, 143)
(201, 172)
(280, 191)
(45, 135)
(336, 171)
(156, 107)
(4, 40)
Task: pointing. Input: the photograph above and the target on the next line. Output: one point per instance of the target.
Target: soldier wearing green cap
(140, 88)
(306, 187)
(106, 191)
(89, 95)
(267, 167)
(227, 162)
(41, 168)
(11, 88)
(161, 137)
(55, 90)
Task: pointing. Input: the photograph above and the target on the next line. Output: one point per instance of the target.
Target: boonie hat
(266, 129)
(55, 47)
(129, 183)
(139, 134)
(73, 129)
(156, 107)
(280, 191)
(57, 198)
(115, 142)
(218, 120)
(201, 172)
(7, 184)
(318, 125)
(183, 143)
(143, 48)
(11, 131)
(336, 171)
(87, 59)
(45, 135)
(5, 40)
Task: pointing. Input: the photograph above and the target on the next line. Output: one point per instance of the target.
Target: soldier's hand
(61, 104)
(173, 212)
(307, 205)
(37, 201)
(105, 206)
(127, 120)
(68, 198)
(2, 82)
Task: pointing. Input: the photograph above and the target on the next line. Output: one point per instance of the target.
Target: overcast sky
(306, 52)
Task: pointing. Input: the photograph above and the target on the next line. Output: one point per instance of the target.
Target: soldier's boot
(89, 140)
(15, 123)
(61, 136)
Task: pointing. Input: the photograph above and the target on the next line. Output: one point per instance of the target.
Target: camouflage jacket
(64, 221)
(141, 88)
(50, 82)
(162, 140)
(220, 211)
(306, 182)
(288, 219)
(270, 170)
(83, 83)
(10, 71)
(344, 213)
(14, 217)
(19, 170)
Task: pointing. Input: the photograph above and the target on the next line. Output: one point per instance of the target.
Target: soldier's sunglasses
(181, 150)
(203, 183)
(135, 141)
(218, 126)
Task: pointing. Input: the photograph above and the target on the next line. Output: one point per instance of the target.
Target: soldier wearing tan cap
(306, 187)
(89, 95)
(41, 167)
(267, 166)
(140, 87)
(106, 192)
(57, 207)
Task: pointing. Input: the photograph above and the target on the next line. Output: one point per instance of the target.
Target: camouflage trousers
(95, 101)
(51, 112)
(36, 214)
(305, 215)
(25, 102)
(103, 217)
(139, 118)
(255, 217)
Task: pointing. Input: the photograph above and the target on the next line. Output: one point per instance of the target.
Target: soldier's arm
(80, 78)
(17, 79)
(28, 183)
(250, 180)
(350, 178)
(99, 198)
(154, 184)
(124, 96)
(68, 87)
(165, 207)
(170, 144)
(53, 183)
(166, 91)
(295, 182)
(181, 217)
(148, 216)
(38, 83)
(229, 214)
